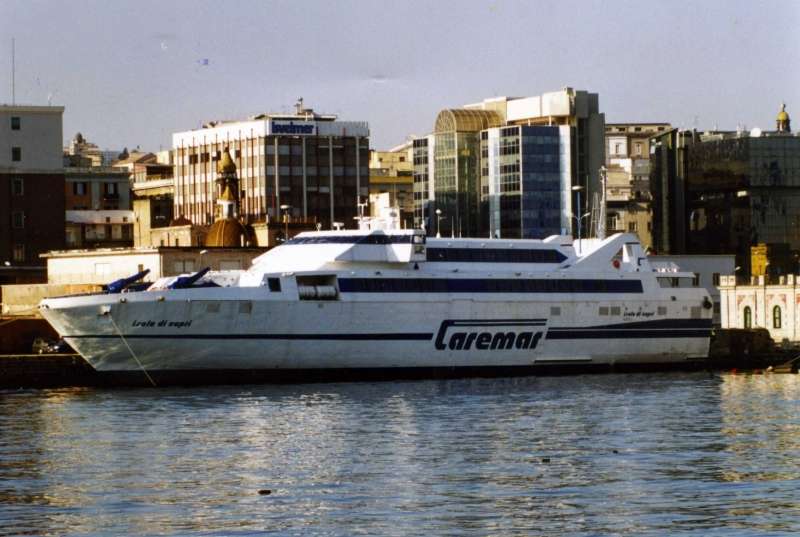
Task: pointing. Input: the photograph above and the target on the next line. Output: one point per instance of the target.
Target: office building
(422, 155)
(313, 165)
(511, 167)
(31, 189)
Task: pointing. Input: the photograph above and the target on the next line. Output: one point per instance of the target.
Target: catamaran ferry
(393, 303)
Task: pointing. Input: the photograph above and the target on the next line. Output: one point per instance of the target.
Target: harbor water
(656, 454)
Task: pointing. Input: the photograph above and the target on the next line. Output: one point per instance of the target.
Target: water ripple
(690, 454)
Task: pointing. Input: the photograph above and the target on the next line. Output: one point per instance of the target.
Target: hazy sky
(131, 73)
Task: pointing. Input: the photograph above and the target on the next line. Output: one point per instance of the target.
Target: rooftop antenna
(13, 74)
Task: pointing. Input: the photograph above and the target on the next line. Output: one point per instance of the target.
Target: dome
(466, 120)
(226, 164)
(783, 115)
(180, 221)
(226, 233)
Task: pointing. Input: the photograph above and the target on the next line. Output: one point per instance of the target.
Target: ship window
(695, 312)
(245, 307)
(615, 310)
(776, 317)
(436, 285)
(212, 307)
(603, 310)
(555, 310)
(696, 280)
(662, 310)
(274, 284)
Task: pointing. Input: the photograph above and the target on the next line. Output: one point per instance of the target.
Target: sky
(131, 73)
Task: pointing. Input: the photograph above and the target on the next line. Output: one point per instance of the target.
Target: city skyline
(133, 74)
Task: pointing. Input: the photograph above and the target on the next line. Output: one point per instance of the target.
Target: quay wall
(23, 299)
(45, 371)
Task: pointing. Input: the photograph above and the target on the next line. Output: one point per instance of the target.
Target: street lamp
(578, 220)
(438, 222)
(285, 209)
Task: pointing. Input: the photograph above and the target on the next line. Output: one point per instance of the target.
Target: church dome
(227, 233)
(226, 164)
(180, 221)
(783, 115)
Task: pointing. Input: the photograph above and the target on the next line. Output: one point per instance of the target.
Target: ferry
(384, 303)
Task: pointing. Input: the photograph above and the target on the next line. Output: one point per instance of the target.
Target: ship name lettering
(500, 340)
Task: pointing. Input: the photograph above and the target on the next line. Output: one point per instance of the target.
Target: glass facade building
(743, 191)
(521, 181)
(456, 173)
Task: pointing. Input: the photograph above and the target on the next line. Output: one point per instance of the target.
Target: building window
(715, 279)
(16, 154)
(16, 123)
(18, 219)
(776, 317)
(632, 227)
(638, 148)
(19, 253)
(617, 149)
(748, 317)
(111, 188)
(17, 186)
(79, 189)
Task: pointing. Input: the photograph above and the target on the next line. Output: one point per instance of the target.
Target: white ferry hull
(276, 335)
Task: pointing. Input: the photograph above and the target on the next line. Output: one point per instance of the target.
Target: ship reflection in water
(621, 454)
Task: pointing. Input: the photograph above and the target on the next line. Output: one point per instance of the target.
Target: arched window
(776, 317)
(748, 317)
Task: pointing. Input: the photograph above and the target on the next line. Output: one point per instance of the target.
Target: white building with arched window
(758, 304)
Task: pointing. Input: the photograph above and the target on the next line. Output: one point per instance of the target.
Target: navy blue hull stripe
(339, 337)
(663, 328)
(627, 334)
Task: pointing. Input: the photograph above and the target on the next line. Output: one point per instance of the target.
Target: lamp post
(577, 189)
(438, 222)
(285, 209)
(578, 220)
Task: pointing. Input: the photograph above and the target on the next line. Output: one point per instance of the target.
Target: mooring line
(131, 350)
